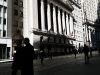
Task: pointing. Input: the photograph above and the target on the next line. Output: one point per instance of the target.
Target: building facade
(78, 24)
(17, 17)
(97, 23)
(49, 23)
(11, 25)
(5, 38)
(90, 16)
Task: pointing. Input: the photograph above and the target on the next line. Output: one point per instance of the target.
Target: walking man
(86, 53)
(42, 52)
(28, 58)
(17, 60)
(75, 51)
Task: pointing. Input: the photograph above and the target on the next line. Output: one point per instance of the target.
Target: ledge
(66, 4)
(79, 6)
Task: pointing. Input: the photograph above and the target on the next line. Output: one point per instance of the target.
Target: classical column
(54, 19)
(42, 16)
(49, 17)
(59, 21)
(67, 24)
(63, 22)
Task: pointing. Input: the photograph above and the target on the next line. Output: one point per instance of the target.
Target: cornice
(76, 4)
(64, 3)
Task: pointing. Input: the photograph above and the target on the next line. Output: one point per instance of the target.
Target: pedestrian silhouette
(80, 50)
(28, 58)
(42, 52)
(75, 51)
(49, 51)
(91, 51)
(86, 53)
(17, 58)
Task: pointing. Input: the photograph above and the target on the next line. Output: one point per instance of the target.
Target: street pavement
(61, 65)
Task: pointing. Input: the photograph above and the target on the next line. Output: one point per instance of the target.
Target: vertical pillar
(63, 21)
(54, 19)
(42, 16)
(59, 21)
(49, 17)
(67, 21)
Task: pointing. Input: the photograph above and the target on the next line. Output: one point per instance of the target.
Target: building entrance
(4, 51)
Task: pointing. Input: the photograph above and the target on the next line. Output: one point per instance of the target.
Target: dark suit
(28, 60)
(17, 60)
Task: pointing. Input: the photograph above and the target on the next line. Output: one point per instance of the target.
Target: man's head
(26, 41)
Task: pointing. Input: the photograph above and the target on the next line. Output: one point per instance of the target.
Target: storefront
(54, 43)
(4, 51)
(5, 48)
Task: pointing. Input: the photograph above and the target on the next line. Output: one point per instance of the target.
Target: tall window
(16, 2)
(65, 23)
(5, 9)
(21, 14)
(61, 20)
(45, 12)
(21, 3)
(21, 25)
(69, 22)
(15, 12)
(57, 19)
(4, 33)
(39, 14)
(16, 23)
(0, 33)
(0, 20)
(4, 21)
(51, 12)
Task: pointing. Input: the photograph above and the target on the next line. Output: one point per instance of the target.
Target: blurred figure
(75, 51)
(28, 58)
(50, 51)
(80, 50)
(17, 60)
(42, 52)
(91, 51)
(86, 53)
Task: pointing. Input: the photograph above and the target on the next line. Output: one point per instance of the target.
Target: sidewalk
(5, 60)
(58, 60)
